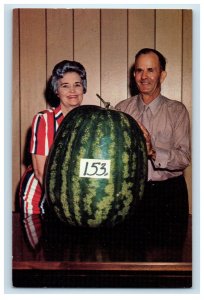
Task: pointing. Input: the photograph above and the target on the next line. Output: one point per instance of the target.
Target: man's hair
(162, 59)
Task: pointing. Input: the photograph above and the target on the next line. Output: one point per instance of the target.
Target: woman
(68, 82)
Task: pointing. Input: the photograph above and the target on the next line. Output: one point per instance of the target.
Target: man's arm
(178, 156)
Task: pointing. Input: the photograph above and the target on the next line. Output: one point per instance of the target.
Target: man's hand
(150, 151)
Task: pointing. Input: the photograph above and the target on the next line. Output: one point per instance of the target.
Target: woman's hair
(68, 66)
(162, 59)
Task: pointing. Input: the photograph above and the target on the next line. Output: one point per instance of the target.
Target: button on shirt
(170, 134)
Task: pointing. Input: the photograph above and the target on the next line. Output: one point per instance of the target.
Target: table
(63, 256)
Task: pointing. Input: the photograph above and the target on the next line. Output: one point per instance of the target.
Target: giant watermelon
(96, 168)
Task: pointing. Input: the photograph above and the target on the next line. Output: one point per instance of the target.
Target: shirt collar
(58, 112)
(154, 105)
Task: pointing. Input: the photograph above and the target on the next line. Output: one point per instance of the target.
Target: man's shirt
(170, 134)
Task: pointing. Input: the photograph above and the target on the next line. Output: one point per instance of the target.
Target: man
(166, 128)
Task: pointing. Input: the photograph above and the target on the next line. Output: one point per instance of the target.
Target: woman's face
(70, 91)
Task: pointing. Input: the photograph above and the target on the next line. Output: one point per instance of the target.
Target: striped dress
(44, 127)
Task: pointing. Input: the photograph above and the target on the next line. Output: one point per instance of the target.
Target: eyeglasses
(68, 87)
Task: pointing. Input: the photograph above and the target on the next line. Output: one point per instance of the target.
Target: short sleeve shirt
(44, 127)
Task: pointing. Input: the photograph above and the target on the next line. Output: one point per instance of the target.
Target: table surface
(55, 247)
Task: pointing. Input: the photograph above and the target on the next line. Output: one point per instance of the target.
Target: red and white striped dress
(44, 127)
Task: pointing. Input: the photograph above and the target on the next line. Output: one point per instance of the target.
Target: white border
(6, 122)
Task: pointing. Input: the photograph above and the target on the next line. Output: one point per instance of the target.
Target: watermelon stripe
(77, 152)
(67, 181)
(116, 176)
(104, 204)
(95, 188)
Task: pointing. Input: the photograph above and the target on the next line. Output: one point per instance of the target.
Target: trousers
(162, 214)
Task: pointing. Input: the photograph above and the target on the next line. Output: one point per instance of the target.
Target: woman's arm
(39, 144)
(38, 166)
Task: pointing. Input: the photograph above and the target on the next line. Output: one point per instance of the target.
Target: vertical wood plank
(15, 109)
(187, 60)
(59, 37)
(114, 55)
(141, 29)
(169, 43)
(187, 83)
(87, 49)
(32, 68)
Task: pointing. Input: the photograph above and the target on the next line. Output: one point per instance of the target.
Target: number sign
(94, 168)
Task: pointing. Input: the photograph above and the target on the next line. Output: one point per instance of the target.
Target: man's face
(148, 75)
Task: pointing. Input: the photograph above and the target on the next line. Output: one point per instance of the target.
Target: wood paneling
(87, 49)
(187, 82)
(105, 42)
(16, 154)
(59, 33)
(32, 68)
(187, 60)
(113, 55)
(141, 27)
(169, 42)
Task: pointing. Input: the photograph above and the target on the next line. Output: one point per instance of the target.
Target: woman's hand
(150, 151)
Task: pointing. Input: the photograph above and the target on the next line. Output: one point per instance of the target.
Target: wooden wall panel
(187, 82)
(87, 49)
(187, 60)
(113, 55)
(59, 33)
(140, 33)
(16, 154)
(32, 68)
(169, 42)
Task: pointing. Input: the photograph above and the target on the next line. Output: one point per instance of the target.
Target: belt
(166, 181)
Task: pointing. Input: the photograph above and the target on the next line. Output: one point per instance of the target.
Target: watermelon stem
(106, 104)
